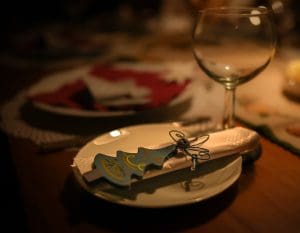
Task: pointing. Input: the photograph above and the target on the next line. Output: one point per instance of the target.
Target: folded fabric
(222, 143)
(114, 87)
(123, 92)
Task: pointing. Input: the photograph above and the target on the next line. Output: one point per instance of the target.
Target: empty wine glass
(232, 46)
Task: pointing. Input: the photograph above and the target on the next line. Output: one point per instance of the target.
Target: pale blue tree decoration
(121, 169)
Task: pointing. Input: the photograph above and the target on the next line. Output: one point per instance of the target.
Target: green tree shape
(119, 170)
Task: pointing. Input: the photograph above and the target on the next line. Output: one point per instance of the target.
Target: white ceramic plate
(176, 72)
(172, 189)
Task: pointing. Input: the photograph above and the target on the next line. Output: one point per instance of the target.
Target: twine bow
(191, 147)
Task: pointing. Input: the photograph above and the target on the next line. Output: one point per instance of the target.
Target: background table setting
(48, 111)
(78, 130)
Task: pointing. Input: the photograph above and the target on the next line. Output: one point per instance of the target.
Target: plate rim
(223, 186)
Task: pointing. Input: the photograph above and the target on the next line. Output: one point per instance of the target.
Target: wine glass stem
(228, 115)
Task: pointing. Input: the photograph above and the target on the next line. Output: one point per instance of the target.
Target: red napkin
(76, 94)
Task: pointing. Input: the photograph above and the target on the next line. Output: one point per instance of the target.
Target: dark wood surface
(266, 198)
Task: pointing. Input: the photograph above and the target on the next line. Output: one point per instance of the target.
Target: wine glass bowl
(232, 46)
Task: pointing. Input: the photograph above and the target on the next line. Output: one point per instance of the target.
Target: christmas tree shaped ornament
(121, 169)
(133, 154)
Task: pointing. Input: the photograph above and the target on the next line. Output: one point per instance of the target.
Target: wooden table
(266, 198)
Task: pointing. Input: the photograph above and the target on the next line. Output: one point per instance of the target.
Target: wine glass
(232, 46)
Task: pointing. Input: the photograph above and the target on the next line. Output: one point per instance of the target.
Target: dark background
(20, 16)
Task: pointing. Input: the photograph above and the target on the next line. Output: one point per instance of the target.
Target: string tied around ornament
(191, 147)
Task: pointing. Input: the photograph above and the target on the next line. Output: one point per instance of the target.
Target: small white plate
(172, 189)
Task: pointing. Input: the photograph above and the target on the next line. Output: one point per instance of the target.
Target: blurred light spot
(255, 20)
(278, 7)
(115, 133)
